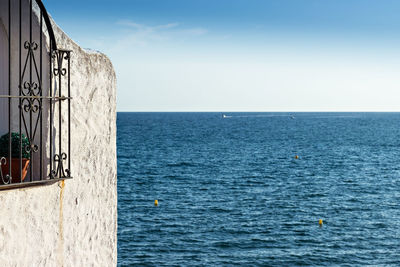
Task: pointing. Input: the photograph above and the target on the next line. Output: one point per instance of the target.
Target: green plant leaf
(15, 146)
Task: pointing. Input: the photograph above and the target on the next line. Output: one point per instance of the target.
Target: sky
(244, 55)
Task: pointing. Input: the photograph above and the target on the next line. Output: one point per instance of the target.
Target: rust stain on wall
(60, 252)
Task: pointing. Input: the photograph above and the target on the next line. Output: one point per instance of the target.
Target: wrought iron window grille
(36, 100)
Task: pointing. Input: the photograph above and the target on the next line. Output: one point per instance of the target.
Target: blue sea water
(231, 191)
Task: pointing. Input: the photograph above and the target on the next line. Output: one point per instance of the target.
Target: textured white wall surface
(72, 223)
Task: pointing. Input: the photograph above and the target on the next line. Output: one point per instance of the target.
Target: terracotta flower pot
(15, 169)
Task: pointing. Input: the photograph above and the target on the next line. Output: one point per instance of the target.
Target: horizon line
(202, 111)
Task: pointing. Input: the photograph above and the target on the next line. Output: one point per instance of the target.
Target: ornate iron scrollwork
(60, 172)
(59, 56)
(30, 87)
(6, 179)
(61, 71)
(43, 92)
(31, 92)
(31, 104)
(31, 45)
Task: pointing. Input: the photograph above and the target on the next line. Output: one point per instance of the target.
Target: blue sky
(244, 55)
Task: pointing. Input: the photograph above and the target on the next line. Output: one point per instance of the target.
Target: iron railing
(38, 99)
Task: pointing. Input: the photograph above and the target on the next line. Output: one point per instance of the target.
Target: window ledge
(31, 184)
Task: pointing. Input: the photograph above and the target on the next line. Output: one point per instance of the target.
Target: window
(35, 98)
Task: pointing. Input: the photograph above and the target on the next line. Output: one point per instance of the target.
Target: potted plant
(15, 155)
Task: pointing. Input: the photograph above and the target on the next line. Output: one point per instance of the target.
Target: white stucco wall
(72, 223)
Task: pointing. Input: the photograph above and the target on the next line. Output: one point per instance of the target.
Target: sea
(258, 189)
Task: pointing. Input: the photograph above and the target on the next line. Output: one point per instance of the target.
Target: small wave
(171, 176)
(220, 209)
(224, 244)
(337, 117)
(257, 116)
(181, 164)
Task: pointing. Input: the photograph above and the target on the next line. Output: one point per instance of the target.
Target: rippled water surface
(231, 192)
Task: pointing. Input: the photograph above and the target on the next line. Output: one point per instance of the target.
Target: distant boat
(223, 116)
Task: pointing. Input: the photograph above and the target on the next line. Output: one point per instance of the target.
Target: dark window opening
(35, 97)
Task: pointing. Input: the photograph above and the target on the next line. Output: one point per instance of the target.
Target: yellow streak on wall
(60, 252)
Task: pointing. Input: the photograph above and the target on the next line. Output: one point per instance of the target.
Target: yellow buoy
(320, 222)
(296, 157)
(156, 202)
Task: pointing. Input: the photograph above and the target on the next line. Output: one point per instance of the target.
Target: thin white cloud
(146, 28)
(167, 26)
(173, 28)
(139, 34)
(195, 31)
